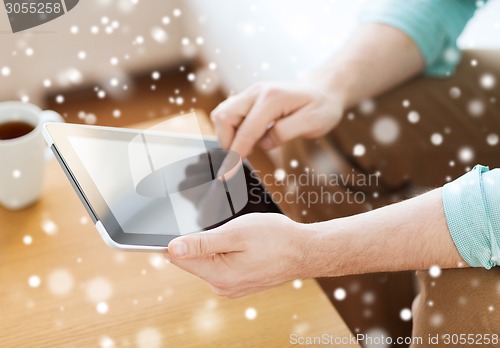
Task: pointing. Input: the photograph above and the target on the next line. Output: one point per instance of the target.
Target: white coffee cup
(23, 158)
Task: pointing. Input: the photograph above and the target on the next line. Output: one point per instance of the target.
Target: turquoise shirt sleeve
(472, 209)
(434, 25)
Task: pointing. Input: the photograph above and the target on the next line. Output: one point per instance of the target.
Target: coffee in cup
(23, 153)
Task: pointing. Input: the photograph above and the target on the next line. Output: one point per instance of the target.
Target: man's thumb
(198, 245)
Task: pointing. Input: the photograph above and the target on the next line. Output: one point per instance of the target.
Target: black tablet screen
(155, 186)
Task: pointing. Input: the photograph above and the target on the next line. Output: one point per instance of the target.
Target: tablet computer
(144, 188)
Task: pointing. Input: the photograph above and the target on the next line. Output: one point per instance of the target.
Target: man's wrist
(338, 78)
(298, 250)
(322, 250)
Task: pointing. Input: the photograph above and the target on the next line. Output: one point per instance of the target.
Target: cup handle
(50, 116)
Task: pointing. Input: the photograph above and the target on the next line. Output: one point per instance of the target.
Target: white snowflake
(367, 106)
(279, 174)
(455, 92)
(149, 338)
(466, 154)
(90, 119)
(413, 117)
(487, 81)
(106, 342)
(436, 320)
(250, 313)
(34, 281)
(339, 294)
(212, 66)
(60, 282)
(139, 40)
(385, 130)
(200, 40)
(476, 107)
(99, 289)
(297, 283)
(102, 307)
(16, 173)
(436, 139)
(492, 139)
(159, 35)
(177, 12)
(49, 227)
(27, 239)
(358, 150)
(155, 75)
(435, 271)
(368, 298)
(405, 314)
(5, 71)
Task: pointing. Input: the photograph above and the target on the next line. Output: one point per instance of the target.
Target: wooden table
(61, 286)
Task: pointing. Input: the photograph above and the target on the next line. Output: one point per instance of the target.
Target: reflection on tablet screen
(153, 186)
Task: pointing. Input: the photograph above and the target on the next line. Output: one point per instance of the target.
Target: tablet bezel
(57, 136)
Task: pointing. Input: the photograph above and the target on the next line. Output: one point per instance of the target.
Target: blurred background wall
(234, 43)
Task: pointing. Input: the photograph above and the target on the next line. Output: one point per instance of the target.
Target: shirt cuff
(470, 204)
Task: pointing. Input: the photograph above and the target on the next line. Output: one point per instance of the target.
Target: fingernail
(180, 249)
